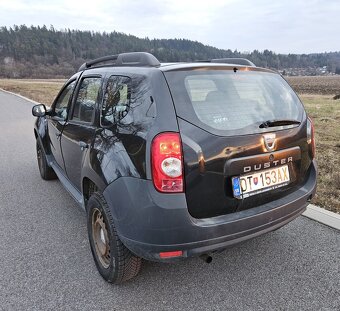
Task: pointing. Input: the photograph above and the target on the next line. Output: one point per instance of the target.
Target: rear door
(79, 131)
(221, 112)
(57, 120)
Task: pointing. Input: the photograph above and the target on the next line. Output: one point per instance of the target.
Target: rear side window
(128, 103)
(86, 100)
(116, 101)
(233, 103)
(198, 89)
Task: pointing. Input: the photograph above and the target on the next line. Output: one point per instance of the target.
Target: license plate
(247, 185)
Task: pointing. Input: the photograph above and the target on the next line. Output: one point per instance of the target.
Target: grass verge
(325, 113)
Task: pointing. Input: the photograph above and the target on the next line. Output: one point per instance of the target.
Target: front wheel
(46, 172)
(114, 261)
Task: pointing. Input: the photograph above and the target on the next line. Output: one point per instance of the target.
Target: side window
(86, 100)
(116, 101)
(198, 89)
(60, 108)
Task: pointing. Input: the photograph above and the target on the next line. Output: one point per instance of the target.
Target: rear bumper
(149, 222)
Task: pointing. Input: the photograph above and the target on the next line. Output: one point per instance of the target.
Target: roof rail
(231, 60)
(135, 59)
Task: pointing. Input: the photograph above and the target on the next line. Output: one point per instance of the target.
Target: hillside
(39, 52)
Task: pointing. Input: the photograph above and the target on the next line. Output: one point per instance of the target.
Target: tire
(114, 261)
(46, 172)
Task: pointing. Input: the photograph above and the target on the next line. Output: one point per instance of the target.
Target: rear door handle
(83, 145)
(58, 134)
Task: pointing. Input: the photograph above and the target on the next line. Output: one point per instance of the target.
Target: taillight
(311, 136)
(167, 162)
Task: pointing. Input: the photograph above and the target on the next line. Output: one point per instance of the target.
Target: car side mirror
(39, 110)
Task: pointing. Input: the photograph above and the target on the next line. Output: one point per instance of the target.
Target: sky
(283, 26)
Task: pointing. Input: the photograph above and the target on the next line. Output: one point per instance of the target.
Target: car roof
(209, 66)
(133, 60)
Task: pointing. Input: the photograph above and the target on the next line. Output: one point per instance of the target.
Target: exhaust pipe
(206, 258)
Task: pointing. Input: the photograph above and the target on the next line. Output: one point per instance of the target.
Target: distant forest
(41, 52)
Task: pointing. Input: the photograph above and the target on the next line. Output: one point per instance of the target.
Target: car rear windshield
(230, 103)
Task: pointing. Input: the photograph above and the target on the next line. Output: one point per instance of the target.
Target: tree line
(41, 52)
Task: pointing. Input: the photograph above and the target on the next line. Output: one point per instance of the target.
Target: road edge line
(323, 216)
(22, 97)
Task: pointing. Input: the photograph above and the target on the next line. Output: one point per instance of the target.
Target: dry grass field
(42, 91)
(315, 92)
(319, 85)
(317, 95)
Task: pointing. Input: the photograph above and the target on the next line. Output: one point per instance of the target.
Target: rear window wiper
(272, 123)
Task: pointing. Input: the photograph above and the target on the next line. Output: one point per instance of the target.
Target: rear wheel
(46, 172)
(114, 261)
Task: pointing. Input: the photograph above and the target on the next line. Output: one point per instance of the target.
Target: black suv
(176, 160)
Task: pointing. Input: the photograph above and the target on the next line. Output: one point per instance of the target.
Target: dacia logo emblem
(269, 141)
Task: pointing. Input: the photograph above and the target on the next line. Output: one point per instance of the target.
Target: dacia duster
(176, 160)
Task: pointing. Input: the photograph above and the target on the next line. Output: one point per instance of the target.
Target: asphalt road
(46, 263)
